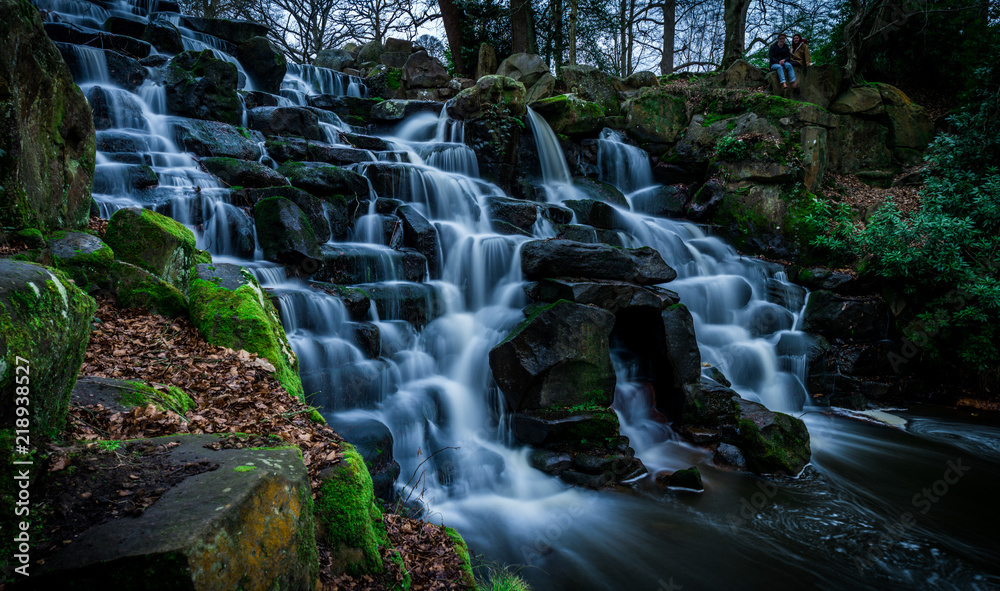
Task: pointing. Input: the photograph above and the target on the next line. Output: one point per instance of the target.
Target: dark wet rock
(594, 213)
(67, 33)
(212, 138)
(688, 478)
(564, 258)
(771, 442)
(202, 86)
(664, 201)
(418, 233)
(233, 31)
(348, 108)
(730, 456)
(44, 319)
(488, 93)
(285, 233)
(553, 427)
(373, 442)
(124, 178)
(243, 173)
(163, 35)
(364, 142)
(264, 63)
(839, 317)
(123, 71)
(368, 338)
(784, 294)
(128, 26)
(285, 121)
(334, 59)
(47, 142)
(559, 356)
(516, 212)
(589, 235)
(609, 295)
(325, 180)
(423, 71)
(355, 299)
(416, 303)
(256, 98)
(397, 110)
(821, 278)
(600, 191)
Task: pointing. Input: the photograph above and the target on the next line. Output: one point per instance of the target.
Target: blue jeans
(781, 71)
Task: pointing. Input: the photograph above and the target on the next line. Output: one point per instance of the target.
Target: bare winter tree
(375, 20)
(301, 28)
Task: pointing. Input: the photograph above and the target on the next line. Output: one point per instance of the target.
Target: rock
(84, 257)
(233, 31)
(755, 171)
(818, 85)
(600, 191)
(324, 180)
(243, 173)
(740, 75)
(858, 144)
(554, 427)
(612, 296)
(123, 71)
(594, 213)
(488, 91)
(516, 212)
(487, 63)
(771, 442)
(202, 86)
(861, 100)
(688, 478)
(211, 138)
(570, 115)
(423, 71)
(125, 178)
(730, 456)
(558, 357)
(285, 234)
(45, 320)
(373, 442)
(815, 156)
(655, 115)
(526, 68)
(909, 127)
(564, 258)
(663, 201)
(355, 299)
(249, 519)
(264, 63)
(638, 80)
(393, 59)
(134, 287)
(152, 242)
(416, 303)
(163, 35)
(839, 317)
(370, 52)
(229, 308)
(346, 107)
(334, 59)
(700, 140)
(397, 110)
(544, 88)
(47, 145)
(591, 84)
(707, 405)
(128, 26)
(285, 121)
(706, 201)
(418, 233)
(122, 395)
(67, 33)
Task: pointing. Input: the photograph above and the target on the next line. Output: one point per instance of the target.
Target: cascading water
(428, 379)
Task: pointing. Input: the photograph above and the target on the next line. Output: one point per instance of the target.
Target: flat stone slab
(246, 525)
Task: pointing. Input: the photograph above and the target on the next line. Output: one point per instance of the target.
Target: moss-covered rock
(264, 63)
(153, 242)
(590, 84)
(202, 86)
(44, 330)
(570, 115)
(347, 518)
(566, 425)
(230, 309)
(656, 115)
(489, 91)
(133, 287)
(771, 442)
(285, 234)
(84, 257)
(860, 100)
(47, 147)
(462, 550)
(325, 180)
(243, 173)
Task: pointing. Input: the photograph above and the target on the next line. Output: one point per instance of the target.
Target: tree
(574, 7)
(522, 27)
(375, 20)
(301, 28)
(735, 16)
(669, 28)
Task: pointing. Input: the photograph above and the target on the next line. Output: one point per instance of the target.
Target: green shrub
(731, 149)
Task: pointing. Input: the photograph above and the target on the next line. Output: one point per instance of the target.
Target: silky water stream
(879, 507)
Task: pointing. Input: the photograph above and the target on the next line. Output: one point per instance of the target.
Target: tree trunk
(735, 18)
(452, 18)
(622, 37)
(522, 29)
(669, 27)
(557, 14)
(573, 6)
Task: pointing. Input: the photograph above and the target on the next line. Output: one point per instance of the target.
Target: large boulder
(44, 330)
(202, 86)
(488, 93)
(656, 115)
(741, 74)
(398, 109)
(230, 309)
(815, 155)
(285, 233)
(591, 84)
(487, 63)
(264, 63)
(163, 35)
(325, 180)
(558, 357)
(860, 100)
(612, 296)
(123, 71)
(373, 442)
(526, 68)
(334, 59)
(566, 258)
(424, 71)
(245, 522)
(69, 33)
(134, 287)
(212, 138)
(243, 173)
(418, 233)
(858, 144)
(841, 317)
(909, 127)
(771, 442)
(152, 242)
(570, 115)
(47, 145)
(818, 85)
(371, 52)
(285, 121)
(84, 257)
(235, 32)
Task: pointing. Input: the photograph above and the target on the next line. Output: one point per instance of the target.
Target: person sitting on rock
(781, 61)
(800, 52)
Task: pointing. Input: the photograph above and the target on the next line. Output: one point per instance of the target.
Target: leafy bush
(731, 149)
(944, 256)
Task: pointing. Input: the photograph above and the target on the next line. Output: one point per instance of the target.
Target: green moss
(532, 312)
(458, 543)
(393, 78)
(137, 288)
(174, 399)
(244, 468)
(245, 319)
(202, 257)
(153, 242)
(348, 518)
(307, 550)
(782, 447)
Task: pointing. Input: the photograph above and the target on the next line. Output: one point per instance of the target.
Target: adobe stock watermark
(923, 502)
(22, 463)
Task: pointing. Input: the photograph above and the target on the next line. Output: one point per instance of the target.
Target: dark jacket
(775, 54)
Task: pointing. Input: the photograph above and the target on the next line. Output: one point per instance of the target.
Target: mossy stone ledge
(153, 242)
